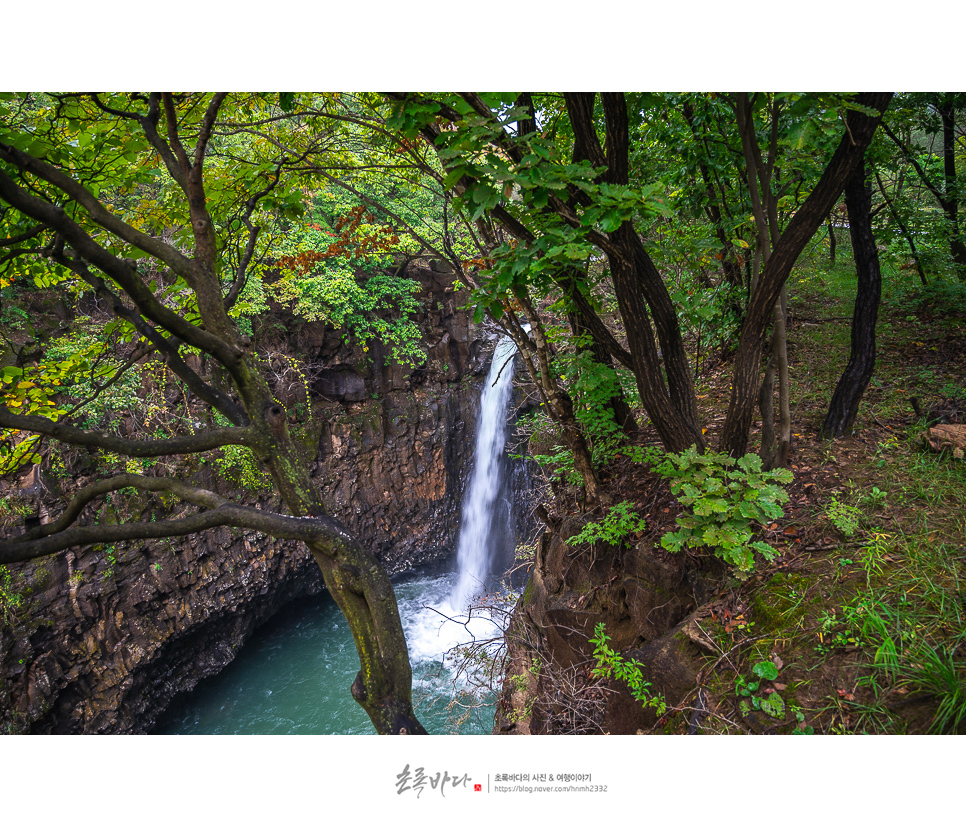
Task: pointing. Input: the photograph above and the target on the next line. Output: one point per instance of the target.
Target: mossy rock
(781, 601)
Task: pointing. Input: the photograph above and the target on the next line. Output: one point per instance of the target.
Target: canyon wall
(106, 637)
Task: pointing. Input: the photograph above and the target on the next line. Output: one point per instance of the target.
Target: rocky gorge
(106, 637)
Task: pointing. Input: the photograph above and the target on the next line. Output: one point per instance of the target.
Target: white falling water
(475, 547)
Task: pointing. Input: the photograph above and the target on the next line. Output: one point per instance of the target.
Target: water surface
(294, 675)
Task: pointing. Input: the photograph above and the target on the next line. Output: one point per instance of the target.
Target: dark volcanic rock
(643, 596)
(110, 635)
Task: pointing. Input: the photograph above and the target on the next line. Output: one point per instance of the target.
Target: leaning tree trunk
(801, 228)
(848, 393)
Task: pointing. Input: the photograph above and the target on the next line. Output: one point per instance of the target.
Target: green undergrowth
(864, 618)
(871, 632)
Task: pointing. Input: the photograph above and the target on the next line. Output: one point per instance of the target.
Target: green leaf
(773, 705)
(766, 670)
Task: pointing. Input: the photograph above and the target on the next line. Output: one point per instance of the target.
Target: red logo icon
(477, 787)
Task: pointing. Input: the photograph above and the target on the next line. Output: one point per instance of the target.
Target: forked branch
(217, 511)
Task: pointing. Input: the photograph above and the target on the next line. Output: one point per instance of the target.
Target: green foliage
(649, 456)
(876, 497)
(83, 363)
(80, 375)
(935, 671)
(238, 464)
(11, 599)
(333, 266)
(520, 684)
(592, 385)
(557, 460)
(619, 523)
(773, 704)
(724, 500)
(12, 509)
(612, 665)
(942, 298)
(845, 518)
(710, 313)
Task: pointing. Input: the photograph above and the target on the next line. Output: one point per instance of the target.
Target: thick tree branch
(118, 269)
(52, 538)
(149, 124)
(580, 108)
(174, 140)
(207, 125)
(503, 139)
(153, 448)
(104, 218)
(206, 393)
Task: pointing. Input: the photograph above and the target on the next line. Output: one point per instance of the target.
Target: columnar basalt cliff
(107, 637)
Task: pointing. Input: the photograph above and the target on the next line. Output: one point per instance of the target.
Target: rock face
(106, 638)
(110, 637)
(393, 447)
(639, 594)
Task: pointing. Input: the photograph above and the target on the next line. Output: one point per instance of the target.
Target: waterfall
(266, 692)
(478, 539)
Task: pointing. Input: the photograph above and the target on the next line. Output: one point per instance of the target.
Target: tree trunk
(671, 405)
(947, 112)
(801, 228)
(773, 454)
(765, 211)
(676, 429)
(848, 393)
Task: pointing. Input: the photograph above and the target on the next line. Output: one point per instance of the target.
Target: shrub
(724, 501)
(610, 664)
(619, 522)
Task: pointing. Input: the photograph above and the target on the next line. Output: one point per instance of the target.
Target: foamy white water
(435, 630)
